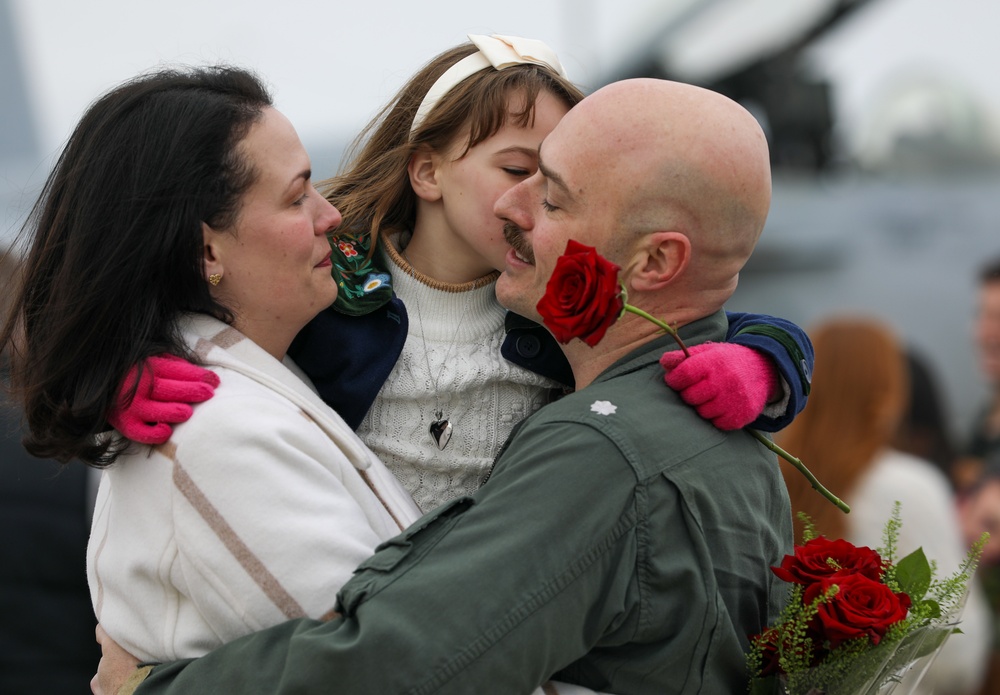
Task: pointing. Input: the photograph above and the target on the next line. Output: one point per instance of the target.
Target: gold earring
(214, 279)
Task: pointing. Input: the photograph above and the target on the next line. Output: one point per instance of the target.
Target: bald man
(622, 543)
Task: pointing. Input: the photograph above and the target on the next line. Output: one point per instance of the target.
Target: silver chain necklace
(441, 427)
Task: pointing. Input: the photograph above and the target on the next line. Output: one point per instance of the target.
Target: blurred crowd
(975, 469)
(875, 431)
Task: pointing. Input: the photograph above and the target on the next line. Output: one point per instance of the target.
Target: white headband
(497, 51)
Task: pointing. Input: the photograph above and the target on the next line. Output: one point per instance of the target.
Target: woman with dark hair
(181, 219)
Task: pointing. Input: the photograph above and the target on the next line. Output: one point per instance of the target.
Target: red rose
(821, 558)
(861, 607)
(582, 298)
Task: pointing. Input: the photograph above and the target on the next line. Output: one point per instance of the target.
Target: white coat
(257, 510)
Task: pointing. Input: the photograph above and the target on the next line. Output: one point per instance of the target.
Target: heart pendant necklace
(441, 431)
(441, 428)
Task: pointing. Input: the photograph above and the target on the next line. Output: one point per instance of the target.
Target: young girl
(417, 353)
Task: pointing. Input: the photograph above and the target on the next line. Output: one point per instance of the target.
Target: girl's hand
(728, 384)
(166, 387)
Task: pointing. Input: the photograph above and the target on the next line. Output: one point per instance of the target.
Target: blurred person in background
(978, 471)
(46, 620)
(923, 430)
(984, 436)
(979, 509)
(845, 435)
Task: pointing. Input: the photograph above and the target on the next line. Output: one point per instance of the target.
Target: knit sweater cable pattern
(450, 362)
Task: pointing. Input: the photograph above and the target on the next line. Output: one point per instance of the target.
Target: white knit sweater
(257, 510)
(451, 363)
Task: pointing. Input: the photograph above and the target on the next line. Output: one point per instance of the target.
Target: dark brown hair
(115, 247)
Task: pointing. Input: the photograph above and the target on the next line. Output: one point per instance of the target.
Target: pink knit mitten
(166, 388)
(726, 383)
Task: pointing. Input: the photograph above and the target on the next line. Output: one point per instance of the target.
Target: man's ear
(211, 252)
(659, 260)
(422, 169)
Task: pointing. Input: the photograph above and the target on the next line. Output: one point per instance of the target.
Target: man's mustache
(514, 236)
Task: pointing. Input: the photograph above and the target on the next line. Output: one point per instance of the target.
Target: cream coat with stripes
(257, 510)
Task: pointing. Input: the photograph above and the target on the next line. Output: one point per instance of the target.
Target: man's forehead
(559, 161)
(547, 158)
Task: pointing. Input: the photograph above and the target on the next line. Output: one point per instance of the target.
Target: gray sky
(333, 63)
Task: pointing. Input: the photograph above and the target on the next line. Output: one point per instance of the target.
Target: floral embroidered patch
(362, 285)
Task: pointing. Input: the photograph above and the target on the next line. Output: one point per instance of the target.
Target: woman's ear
(659, 261)
(422, 169)
(211, 252)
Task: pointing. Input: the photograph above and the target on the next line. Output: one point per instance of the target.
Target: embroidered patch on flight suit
(603, 408)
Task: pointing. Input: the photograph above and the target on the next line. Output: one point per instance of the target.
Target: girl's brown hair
(859, 391)
(373, 193)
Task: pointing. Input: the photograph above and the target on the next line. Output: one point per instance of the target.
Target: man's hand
(115, 668)
(166, 387)
(727, 384)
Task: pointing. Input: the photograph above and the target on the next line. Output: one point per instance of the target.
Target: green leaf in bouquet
(855, 668)
(913, 574)
(932, 638)
(930, 609)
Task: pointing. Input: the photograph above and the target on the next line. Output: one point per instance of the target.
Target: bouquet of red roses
(856, 619)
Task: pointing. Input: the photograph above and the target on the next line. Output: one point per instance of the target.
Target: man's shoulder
(655, 431)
